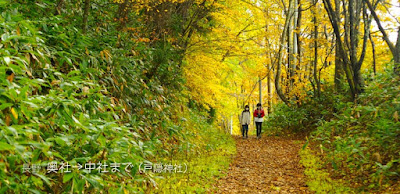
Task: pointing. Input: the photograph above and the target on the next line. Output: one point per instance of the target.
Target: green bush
(69, 96)
(361, 141)
(304, 117)
(318, 178)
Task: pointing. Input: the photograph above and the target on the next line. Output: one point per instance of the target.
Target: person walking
(258, 118)
(245, 120)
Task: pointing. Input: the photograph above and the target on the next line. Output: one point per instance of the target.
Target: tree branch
(377, 20)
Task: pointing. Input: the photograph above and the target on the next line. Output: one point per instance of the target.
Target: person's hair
(259, 104)
(247, 106)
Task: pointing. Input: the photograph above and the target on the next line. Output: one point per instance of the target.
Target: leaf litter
(266, 165)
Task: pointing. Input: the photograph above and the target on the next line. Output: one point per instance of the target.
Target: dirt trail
(267, 165)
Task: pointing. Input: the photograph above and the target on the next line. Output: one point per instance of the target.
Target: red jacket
(255, 114)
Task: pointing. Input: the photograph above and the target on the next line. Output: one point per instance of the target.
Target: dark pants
(245, 129)
(258, 127)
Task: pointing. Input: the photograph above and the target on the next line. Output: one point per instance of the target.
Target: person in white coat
(245, 119)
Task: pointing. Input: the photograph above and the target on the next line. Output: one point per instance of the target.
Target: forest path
(266, 165)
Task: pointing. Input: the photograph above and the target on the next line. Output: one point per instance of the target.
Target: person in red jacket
(258, 118)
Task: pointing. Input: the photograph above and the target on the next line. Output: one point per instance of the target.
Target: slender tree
(348, 50)
(280, 56)
(339, 71)
(315, 60)
(394, 48)
(373, 53)
(85, 16)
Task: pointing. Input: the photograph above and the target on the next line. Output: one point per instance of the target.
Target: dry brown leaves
(267, 165)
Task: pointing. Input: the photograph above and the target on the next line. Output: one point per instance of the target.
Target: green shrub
(66, 96)
(318, 179)
(361, 141)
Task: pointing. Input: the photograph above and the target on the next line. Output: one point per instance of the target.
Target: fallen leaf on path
(268, 165)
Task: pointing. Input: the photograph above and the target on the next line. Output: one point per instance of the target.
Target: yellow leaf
(55, 82)
(396, 116)
(28, 57)
(8, 120)
(29, 73)
(101, 54)
(14, 113)
(11, 77)
(18, 31)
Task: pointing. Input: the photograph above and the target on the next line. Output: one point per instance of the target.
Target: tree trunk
(334, 19)
(394, 49)
(338, 70)
(349, 55)
(85, 16)
(373, 53)
(354, 23)
(315, 60)
(292, 42)
(279, 64)
(396, 55)
(269, 89)
(295, 42)
(299, 54)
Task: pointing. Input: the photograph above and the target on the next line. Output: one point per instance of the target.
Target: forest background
(165, 81)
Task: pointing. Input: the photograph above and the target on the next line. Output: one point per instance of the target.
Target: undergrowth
(358, 141)
(318, 178)
(70, 97)
(204, 165)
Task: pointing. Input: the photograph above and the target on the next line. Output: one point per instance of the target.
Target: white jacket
(245, 118)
